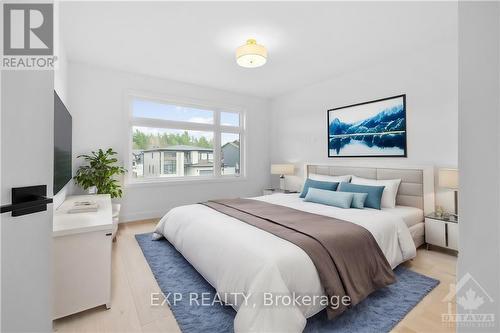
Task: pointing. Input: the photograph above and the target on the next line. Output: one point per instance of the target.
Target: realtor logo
(28, 29)
(470, 296)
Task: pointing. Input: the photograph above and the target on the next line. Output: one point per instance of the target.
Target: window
(229, 119)
(178, 140)
(143, 108)
(169, 163)
(230, 154)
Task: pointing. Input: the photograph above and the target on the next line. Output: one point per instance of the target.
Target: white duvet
(237, 258)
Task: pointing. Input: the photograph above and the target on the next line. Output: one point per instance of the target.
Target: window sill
(183, 181)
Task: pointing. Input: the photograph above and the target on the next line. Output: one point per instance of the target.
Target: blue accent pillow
(358, 200)
(331, 186)
(330, 198)
(374, 193)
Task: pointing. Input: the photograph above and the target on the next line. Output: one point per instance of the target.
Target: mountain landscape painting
(370, 129)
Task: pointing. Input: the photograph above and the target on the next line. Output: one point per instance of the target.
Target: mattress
(410, 215)
(417, 232)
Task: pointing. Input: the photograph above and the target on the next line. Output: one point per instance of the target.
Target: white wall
(61, 74)
(429, 80)
(479, 155)
(97, 99)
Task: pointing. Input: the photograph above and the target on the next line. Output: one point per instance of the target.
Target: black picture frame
(405, 155)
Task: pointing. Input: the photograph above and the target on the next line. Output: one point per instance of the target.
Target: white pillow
(327, 178)
(390, 190)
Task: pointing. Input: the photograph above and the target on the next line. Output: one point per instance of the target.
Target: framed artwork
(370, 129)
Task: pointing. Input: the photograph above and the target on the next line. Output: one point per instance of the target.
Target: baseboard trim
(134, 217)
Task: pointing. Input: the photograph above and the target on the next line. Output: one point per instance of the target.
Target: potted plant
(101, 172)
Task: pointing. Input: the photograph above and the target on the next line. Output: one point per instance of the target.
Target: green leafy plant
(100, 172)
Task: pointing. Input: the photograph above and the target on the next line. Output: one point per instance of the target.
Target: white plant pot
(92, 190)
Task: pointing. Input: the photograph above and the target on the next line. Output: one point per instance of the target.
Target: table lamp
(448, 178)
(282, 170)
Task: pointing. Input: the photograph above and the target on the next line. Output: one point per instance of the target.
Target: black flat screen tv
(63, 134)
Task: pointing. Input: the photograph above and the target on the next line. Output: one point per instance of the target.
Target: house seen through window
(172, 141)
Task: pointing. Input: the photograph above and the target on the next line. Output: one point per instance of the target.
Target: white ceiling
(195, 42)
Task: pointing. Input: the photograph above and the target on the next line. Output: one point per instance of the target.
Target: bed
(239, 259)
(415, 197)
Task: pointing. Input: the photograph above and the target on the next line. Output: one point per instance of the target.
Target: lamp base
(282, 182)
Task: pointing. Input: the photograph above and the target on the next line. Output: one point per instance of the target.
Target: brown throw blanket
(347, 257)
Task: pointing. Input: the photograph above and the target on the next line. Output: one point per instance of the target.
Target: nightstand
(269, 191)
(441, 231)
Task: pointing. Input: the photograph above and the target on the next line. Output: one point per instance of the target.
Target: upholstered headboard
(417, 184)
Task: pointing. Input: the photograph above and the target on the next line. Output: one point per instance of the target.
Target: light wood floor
(133, 284)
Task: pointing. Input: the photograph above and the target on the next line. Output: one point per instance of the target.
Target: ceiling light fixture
(251, 54)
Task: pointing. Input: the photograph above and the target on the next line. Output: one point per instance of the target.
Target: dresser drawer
(82, 272)
(441, 233)
(435, 233)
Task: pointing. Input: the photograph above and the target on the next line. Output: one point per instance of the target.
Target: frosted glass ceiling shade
(448, 178)
(282, 169)
(251, 54)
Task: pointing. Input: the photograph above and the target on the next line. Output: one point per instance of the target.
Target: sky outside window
(230, 119)
(148, 109)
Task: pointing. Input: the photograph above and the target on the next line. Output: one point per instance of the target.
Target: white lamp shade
(448, 178)
(282, 169)
(251, 54)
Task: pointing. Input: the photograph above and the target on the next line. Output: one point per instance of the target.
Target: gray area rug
(380, 312)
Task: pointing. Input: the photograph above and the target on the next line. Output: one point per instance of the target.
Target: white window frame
(216, 128)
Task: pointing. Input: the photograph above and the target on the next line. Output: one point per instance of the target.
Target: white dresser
(82, 256)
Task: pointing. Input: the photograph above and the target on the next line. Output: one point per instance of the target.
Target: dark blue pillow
(374, 193)
(330, 186)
